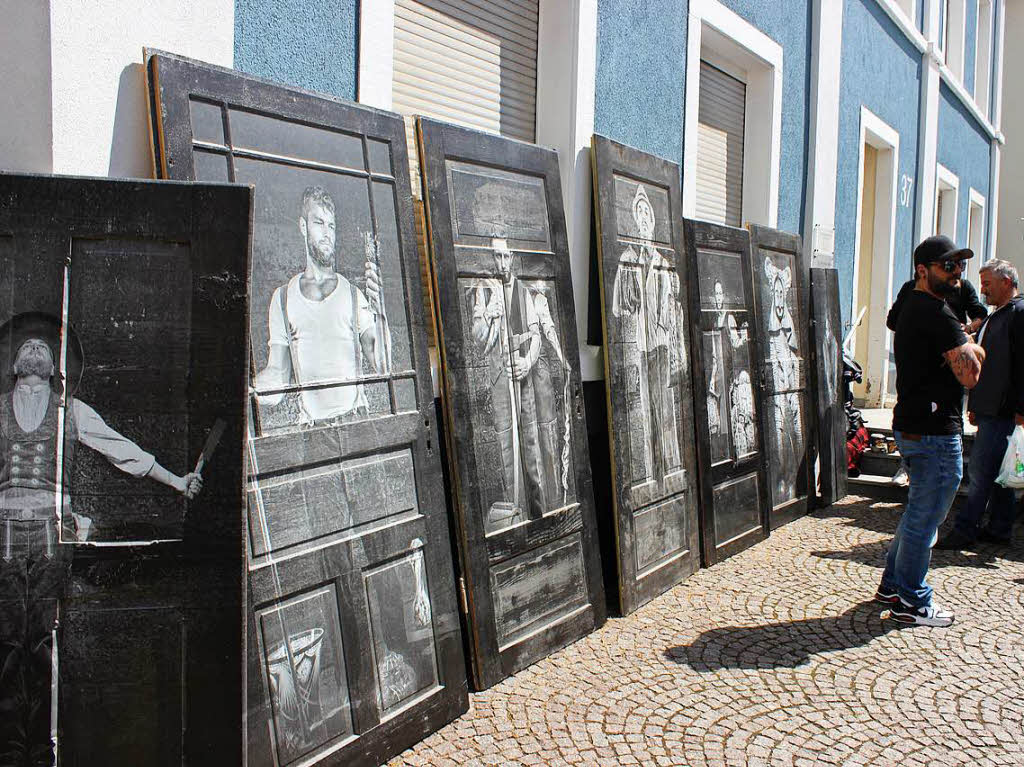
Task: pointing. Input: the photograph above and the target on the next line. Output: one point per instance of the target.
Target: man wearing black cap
(935, 360)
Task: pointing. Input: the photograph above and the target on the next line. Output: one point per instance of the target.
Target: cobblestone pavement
(775, 657)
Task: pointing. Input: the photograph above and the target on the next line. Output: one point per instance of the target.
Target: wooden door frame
(875, 359)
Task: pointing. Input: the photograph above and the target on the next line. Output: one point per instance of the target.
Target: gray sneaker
(930, 615)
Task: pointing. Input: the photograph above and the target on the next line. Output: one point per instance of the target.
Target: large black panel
(832, 423)
(122, 340)
(781, 311)
(524, 499)
(728, 390)
(354, 646)
(644, 308)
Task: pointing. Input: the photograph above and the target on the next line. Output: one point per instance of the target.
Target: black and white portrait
(732, 421)
(44, 424)
(783, 353)
(323, 328)
(513, 332)
(645, 301)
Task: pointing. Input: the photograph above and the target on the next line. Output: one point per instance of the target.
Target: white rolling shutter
(719, 181)
(470, 62)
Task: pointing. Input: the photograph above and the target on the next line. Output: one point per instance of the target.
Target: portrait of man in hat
(40, 430)
(513, 329)
(646, 295)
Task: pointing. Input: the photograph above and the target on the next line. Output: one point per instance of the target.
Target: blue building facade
(868, 124)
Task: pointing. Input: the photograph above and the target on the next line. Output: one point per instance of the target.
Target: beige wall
(1010, 235)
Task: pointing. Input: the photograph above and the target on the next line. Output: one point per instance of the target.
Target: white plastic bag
(1011, 472)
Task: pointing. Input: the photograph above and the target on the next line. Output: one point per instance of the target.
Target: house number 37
(906, 184)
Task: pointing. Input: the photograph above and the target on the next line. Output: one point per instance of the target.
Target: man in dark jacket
(963, 301)
(995, 405)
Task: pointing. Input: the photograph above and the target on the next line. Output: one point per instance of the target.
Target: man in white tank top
(322, 327)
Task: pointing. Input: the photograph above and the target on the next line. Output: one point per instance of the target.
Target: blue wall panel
(306, 43)
(887, 82)
(970, 43)
(641, 74)
(964, 148)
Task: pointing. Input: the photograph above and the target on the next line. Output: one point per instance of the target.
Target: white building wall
(26, 131)
(83, 103)
(1010, 109)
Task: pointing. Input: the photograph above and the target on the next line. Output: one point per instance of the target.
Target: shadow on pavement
(982, 556)
(782, 645)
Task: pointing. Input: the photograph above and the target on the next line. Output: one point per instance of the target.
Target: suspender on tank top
(290, 329)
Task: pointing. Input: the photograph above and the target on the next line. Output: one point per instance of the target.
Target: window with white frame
(946, 188)
(720, 120)
(732, 127)
(983, 56)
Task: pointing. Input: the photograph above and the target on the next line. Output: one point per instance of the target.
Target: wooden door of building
(781, 311)
(728, 392)
(355, 649)
(828, 367)
(122, 326)
(645, 314)
(524, 497)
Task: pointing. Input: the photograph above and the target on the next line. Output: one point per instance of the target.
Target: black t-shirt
(964, 303)
(929, 399)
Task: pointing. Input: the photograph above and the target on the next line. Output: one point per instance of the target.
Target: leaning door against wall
(644, 303)
(122, 333)
(727, 390)
(781, 312)
(354, 642)
(831, 417)
(524, 496)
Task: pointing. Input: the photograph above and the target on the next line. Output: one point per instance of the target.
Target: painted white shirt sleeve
(119, 450)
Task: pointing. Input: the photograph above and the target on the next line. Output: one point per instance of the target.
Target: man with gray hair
(995, 405)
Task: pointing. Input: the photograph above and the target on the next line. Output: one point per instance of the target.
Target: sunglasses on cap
(950, 265)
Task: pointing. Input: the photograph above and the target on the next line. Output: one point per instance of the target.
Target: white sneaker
(932, 615)
(900, 478)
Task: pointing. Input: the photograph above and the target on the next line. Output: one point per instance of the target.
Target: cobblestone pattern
(775, 657)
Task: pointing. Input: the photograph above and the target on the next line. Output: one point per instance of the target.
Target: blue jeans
(935, 465)
(986, 457)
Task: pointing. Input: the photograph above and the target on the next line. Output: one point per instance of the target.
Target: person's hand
(971, 418)
(373, 297)
(972, 327)
(191, 485)
(520, 368)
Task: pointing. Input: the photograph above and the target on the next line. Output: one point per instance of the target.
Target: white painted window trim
(976, 199)
(942, 30)
(566, 77)
(881, 135)
(763, 108)
(905, 23)
(946, 181)
(932, 49)
(376, 53)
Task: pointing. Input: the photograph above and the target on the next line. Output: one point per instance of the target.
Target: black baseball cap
(938, 248)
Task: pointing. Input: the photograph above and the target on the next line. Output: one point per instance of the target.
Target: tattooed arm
(965, 362)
